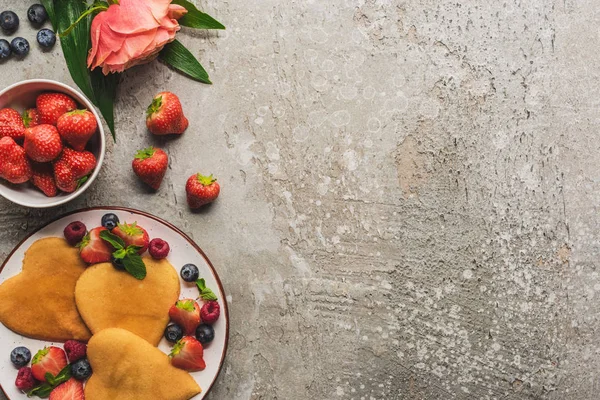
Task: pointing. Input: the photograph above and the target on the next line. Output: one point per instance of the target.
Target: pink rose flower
(132, 32)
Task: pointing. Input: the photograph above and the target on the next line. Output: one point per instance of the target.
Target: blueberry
(37, 14)
(205, 333)
(4, 49)
(110, 221)
(81, 369)
(190, 273)
(9, 21)
(117, 263)
(46, 38)
(20, 356)
(173, 333)
(20, 46)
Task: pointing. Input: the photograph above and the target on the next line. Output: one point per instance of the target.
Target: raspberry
(74, 232)
(25, 380)
(210, 312)
(75, 350)
(158, 249)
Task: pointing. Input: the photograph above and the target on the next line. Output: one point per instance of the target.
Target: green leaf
(113, 239)
(205, 293)
(100, 89)
(42, 391)
(49, 378)
(177, 56)
(63, 376)
(135, 265)
(196, 18)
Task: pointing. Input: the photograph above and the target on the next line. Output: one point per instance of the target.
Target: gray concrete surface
(410, 193)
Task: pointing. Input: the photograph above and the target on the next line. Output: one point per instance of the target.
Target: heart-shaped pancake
(126, 367)
(109, 298)
(40, 301)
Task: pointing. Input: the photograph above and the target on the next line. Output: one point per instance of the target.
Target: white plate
(183, 251)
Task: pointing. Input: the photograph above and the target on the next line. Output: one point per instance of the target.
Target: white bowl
(21, 96)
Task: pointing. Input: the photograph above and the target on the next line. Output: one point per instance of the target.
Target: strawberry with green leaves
(201, 190)
(186, 314)
(133, 235)
(125, 257)
(11, 124)
(77, 127)
(187, 354)
(93, 249)
(165, 115)
(50, 360)
(31, 118)
(150, 165)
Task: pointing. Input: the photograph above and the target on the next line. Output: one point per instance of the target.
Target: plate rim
(168, 224)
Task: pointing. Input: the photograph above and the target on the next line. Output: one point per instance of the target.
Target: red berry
(51, 106)
(133, 235)
(74, 233)
(77, 127)
(31, 118)
(48, 360)
(158, 249)
(11, 124)
(42, 143)
(188, 354)
(93, 249)
(201, 190)
(186, 314)
(75, 350)
(150, 165)
(81, 162)
(43, 179)
(165, 115)
(70, 390)
(210, 312)
(64, 177)
(25, 380)
(14, 164)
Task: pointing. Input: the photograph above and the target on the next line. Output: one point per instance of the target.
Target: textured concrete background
(409, 193)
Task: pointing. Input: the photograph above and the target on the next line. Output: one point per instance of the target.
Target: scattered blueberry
(110, 221)
(117, 263)
(46, 38)
(190, 273)
(4, 49)
(20, 356)
(205, 333)
(9, 21)
(37, 14)
(81, 369)
(173, 333)
(20, 46)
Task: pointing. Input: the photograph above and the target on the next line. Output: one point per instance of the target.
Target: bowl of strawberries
(51, 143)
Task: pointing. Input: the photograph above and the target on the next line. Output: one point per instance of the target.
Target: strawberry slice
(133, 235)
(48, 360)
(186, 314)
(187, 354)
(93, 249)
(70, 390)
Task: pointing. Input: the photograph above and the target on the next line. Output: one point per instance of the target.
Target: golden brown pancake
(126, 367)
(109, 298)
(40, 301)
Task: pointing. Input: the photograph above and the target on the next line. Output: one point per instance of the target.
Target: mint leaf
(113, 239)
(42, 391)
(134, 264)
(120, 254)
(63, 376)
(205, 293)
(50, 378)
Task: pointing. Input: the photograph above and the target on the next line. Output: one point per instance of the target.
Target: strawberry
(165, 115)
(51, 106)
(133, 235)
(14, 165)
(150, 165)
(42, 143)
(81, 162)
(201, 190)
(48, 360)
(93, 249)
(11, 124)
(31, 118)
(77, 127)
(43, 179)
(186, 314)
(187, 354)
(70, 390)
(63, 176)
